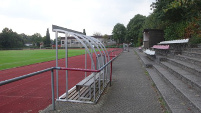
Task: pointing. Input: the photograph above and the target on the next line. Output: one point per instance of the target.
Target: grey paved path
(131, 91)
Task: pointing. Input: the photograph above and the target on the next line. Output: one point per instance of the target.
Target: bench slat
(87, 83)
(161, 46)
(174, 41)
(149, 52)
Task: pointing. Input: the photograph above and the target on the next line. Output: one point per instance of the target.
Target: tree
(134, 28)
(47, 41)
(36, 39)
(58, 41)
(84, 32)
(190, 12)
(105, 37)
(119, 33)
(182, 16)
(25, 38)
(6, 38)
(10, 39)
(152, 22)
(97, 34)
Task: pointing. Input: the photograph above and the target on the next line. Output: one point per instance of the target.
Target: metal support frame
(52, 85)
(57, 84)
(102, 56)
(66, 55)
(111, 74)
(88, 43)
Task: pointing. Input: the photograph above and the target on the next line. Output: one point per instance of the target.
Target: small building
(152, 37)
(106, 41)
(73, 42)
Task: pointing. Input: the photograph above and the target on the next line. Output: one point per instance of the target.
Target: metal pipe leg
(52, 80)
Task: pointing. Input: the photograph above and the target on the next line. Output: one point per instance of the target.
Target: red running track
(34, 94)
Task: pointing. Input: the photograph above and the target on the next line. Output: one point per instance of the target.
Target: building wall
(146, 44)
(75, 43)
(152, 37)
(145, 36)
(71, 43)
(156, 37)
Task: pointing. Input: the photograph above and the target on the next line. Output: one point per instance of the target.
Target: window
(72, 41)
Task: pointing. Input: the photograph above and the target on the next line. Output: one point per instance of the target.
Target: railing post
(111, 74)
(104, 77)
(52, 85)
(57, 79)
(85, 62)
(66, 55)
(94, 87)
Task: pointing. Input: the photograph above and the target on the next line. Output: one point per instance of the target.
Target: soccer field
(16, 58)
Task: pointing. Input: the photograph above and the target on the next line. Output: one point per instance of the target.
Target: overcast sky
(35, 16)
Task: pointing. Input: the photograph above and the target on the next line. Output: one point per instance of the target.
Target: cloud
(31, 16)
(22, 9)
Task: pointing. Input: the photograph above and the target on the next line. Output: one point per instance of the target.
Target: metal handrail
(88, 70)
(25, 76)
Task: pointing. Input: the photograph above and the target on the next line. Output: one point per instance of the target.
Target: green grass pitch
(16, 58)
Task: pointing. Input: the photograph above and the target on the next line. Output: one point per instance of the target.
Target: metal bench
(165, 47)
(149, 52)
(176, 46)
(175, 41)
(161, 49)
(89, 81)
(140, 49)
(151, 55)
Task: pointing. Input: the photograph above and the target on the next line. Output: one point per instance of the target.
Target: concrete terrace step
(192, 54)
(184, 95)
(194, 50)
(199, 45)
(146, 61)
(192, 60)
(194, 69)
(180, 89)
(188, 78)
(174, 103)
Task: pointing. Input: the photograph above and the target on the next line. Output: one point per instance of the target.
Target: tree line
(178, 18)
(12, 40)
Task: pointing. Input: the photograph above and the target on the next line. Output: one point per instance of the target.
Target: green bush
(115, 46)
(139, 43)
(48, 47)
(175, 31)
(194, 40)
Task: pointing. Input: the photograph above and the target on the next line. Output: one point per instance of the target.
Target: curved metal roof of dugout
(89, 43)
